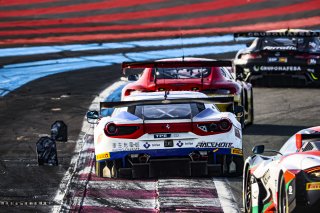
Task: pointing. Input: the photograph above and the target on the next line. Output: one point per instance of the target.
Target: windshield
(167, 111)
(182, 72)
(300, 44)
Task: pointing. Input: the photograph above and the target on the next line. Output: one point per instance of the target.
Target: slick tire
(283, 205)
(247, 193)
(251, 110)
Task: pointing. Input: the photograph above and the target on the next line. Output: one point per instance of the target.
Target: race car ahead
(280, 58)
(159, 134)
(208, 76)
(288, 181)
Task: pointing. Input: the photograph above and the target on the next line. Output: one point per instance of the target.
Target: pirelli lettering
(214, 145)
(313, 186)
(103, 156)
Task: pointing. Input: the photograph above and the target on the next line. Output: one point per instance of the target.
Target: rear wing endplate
(209, 100)
(172, 64)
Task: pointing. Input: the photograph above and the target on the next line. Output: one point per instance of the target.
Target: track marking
(75, 160)
(227, 200)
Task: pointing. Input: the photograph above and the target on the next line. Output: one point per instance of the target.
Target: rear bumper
(256, 69)
(168, 153)
(177, 162)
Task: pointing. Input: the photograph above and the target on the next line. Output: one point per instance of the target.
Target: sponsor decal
(103, 156)
(277, 68)
(313, 186)
(125, 146)
(276, 59)
(290, 189)
(214, 145)
(312, 61)
(277, 34)
(256, 68)
(162, 136)
(272, 59)
(266, 177)
(280, 48)
(236, 151)
(179, 144)
(237, 133)
(188, 143)
(146, 145)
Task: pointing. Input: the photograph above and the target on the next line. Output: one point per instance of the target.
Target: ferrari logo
(168, 126)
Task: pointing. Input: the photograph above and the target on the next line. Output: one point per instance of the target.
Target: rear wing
(277, 34)
(209, 100)
(310, 136)
(172, 64)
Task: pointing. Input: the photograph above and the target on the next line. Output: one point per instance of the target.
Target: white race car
(287, 181)
(167, 134)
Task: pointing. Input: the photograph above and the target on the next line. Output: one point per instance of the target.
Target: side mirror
(259, 149)
(298, 141)
(92, 116)
(133, 77)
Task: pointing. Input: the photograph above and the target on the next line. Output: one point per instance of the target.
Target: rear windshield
(182, 72)
(167, 111)
(301, 44)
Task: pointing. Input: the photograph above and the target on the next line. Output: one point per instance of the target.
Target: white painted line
(81, 144)
(225, 195)
(186, 183)
(121, 185)
(120, 203)
(188, 201)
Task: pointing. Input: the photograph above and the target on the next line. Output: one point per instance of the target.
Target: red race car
(212, 77)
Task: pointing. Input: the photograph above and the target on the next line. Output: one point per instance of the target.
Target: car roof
(160, 95)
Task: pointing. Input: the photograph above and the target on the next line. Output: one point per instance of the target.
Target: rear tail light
(251, 56)
(211, 128)
(110, 129)
(307, 56)
(225, 125)
(224, 91)
(123, 130)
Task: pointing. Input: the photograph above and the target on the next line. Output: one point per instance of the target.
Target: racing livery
(288, 181)
(280, 58)
(208, 76)
(159, 134)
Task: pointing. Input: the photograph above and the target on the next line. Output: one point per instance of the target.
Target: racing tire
(283, 204)
(247, 193)
(251, 110)
(99, 168)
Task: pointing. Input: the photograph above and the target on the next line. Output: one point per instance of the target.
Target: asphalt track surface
(27, 112)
